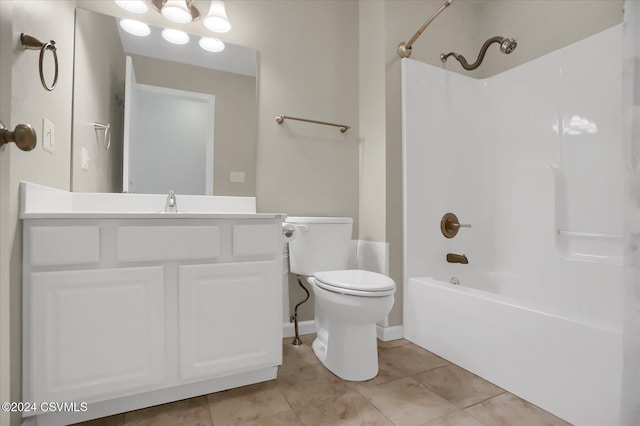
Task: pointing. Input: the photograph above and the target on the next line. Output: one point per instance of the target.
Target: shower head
(508, 45)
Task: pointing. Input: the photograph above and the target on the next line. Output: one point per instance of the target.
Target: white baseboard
(390, 333)
(304, 327)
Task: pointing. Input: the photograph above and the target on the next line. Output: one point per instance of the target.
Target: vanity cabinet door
(96, 333)
(229, 318)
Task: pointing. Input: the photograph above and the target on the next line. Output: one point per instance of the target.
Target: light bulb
(175, 36)
(134, 27)
(135, 6)
(211, 44)
(216, 19)
(177, 11)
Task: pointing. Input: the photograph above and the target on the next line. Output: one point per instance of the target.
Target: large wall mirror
(149, 116)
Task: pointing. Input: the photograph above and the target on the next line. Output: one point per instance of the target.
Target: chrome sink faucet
(172, 203)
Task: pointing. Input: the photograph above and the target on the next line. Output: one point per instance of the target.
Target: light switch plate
(48, 137)
(85, 159)
(236, 177)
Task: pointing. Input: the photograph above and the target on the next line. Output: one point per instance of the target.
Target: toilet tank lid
(299, 219)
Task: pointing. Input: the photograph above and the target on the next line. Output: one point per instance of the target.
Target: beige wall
(6, 57)
(235, 120)
(46, 20)
(305, 71)
(98, 97)
(371, 101)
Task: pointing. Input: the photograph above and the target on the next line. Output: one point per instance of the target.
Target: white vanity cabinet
(123, 313)
(231, 341)
(96, 332)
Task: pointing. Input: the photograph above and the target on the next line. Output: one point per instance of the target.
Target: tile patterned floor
(414, 388)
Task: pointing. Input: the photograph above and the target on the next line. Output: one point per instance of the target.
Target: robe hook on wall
(107, 133)
(32, 43)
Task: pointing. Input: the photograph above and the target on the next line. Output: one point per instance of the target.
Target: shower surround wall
(532, 159)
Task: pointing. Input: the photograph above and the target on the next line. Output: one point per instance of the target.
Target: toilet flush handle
(288, 231)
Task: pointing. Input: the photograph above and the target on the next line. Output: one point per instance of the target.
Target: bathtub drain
(454, 281)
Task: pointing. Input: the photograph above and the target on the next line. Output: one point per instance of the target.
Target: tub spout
(457, 258)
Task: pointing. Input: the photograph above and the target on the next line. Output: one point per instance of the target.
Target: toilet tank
(319, 244)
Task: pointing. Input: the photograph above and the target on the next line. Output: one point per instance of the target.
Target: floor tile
(411, 359)
(414, 387)
(296, 357)
(245, 404)
(458, 418)
(457, 385)
(188, 412)
(348, 409)
(508, 410)
(117, 420)
(310, 384)
(406, 402)
(392, 343)
(308, 339)
(285, 418)
(386, 373)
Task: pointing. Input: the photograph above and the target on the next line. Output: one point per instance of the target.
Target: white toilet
(348, 302)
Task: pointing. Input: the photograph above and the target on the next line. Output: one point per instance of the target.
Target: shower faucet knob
(450, 225)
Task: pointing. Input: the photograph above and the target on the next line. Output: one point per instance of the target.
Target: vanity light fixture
(175, 36)
(211, 44)
(135, 6)
(183, 12)
(216, 19)
(134, 27)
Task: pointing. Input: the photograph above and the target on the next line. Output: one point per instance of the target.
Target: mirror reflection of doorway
(175, 150)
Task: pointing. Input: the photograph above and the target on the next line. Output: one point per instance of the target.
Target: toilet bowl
(348, 302)
(346, 316)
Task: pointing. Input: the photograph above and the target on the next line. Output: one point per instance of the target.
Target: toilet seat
(356, 282)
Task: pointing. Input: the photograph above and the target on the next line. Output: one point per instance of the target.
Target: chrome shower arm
(404, 49)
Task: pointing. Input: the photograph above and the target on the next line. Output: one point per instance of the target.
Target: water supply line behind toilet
(288, 232)
(296, 340)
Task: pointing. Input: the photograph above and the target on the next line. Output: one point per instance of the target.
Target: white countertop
(149, 215)
(43, 202)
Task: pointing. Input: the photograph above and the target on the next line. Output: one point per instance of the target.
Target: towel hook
(32, 43)
(107, 133)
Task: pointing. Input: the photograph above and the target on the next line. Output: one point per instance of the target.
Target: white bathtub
(567, 365)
